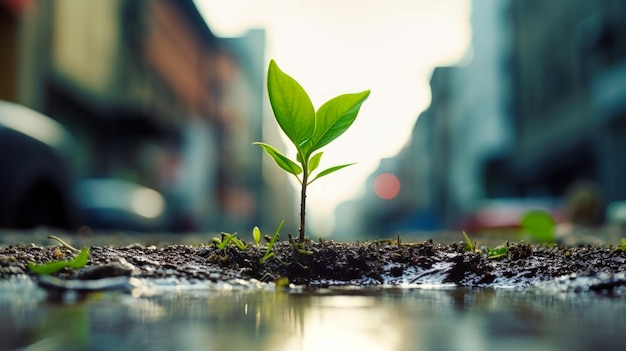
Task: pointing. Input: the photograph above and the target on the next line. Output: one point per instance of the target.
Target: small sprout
(622, 245)
(238, 242)
(492, 253)
(217, 242)
(227, 238)
(468, 243)
(497, 252)
(308, 130)
(63, 243)
(268, 253)
(256, 235)
(299, 248)
(52, 267)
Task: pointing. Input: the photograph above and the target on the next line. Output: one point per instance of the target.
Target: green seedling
(622, 245)
(268, 253)
(52, 267)
(497, 252)
(540, 225)
(307, 129)
(468, 244)
(239, 243)
(256, 235)
(226, 239)
(298, 247)
(63, 243)
(492, 253)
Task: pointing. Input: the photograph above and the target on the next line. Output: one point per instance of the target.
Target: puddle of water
(229, 318)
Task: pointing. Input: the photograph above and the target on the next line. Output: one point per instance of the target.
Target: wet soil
(317, 263)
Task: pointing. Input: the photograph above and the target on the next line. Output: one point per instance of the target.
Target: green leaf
(281, 160)
(292, 106)
(540, 225)
(52, 267)
(334, 118)
(314, 162)
(329, 171)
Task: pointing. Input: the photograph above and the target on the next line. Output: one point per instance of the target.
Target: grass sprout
(268, 252)
(492, 253)
(228, 238)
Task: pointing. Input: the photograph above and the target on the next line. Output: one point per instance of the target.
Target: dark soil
(325, 263)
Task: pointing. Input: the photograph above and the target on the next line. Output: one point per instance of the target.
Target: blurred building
(152, 96)
(467, 125)
(569, 64)
(538, 109)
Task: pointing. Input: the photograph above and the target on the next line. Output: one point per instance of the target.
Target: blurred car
(110, 203)
(506, 213)
(38, 188)
(35, 181)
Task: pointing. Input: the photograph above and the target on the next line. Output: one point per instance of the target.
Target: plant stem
(305, 180)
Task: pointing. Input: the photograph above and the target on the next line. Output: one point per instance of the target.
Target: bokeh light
(387, 186)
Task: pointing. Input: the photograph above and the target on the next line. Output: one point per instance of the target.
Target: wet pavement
(259, 317)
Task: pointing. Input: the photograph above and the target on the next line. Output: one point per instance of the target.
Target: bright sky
(334, 47)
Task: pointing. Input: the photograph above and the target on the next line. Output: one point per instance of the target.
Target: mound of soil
(329, 263)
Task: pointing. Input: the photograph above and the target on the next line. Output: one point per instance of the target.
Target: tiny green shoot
(226, 239)
(497, 252)
(256, 235)
(492, 253)
(468, 243)
(268, 253)
(307, 129)
(622, 245)
(52, 267)
(63, 243)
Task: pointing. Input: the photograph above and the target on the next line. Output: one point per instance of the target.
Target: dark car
(35, 180)
(38, 187)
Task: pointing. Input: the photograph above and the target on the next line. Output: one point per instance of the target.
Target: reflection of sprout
(147, 203)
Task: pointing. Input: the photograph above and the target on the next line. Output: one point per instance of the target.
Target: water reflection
(340, 319)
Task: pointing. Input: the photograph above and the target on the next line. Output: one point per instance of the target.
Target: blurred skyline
(520, 105)
(333, 48)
